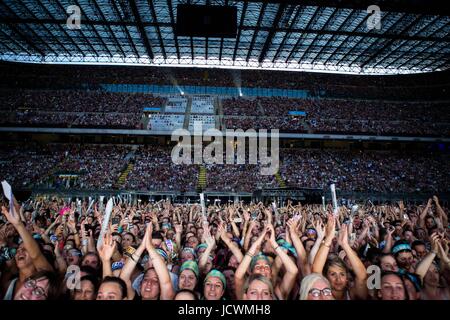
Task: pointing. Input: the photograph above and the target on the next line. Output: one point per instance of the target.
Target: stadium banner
(297, 113)
(152, 109)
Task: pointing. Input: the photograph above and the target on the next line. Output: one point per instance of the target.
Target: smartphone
(53, 238)
(129, 251)
(115, 220)
(237, 220)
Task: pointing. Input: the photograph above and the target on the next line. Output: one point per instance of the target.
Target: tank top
(9, 295)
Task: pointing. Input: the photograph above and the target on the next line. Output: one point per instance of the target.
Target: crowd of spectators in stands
(428, 86)
(100, 166)
(93, 166)
(154, 170)
(71, 108)
(98, 109)
(338, 116)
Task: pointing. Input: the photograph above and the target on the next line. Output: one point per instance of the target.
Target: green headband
(218, 274)
(190, 265)
(200, 246)
(255, 259)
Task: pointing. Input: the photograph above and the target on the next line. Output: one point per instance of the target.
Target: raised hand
(107, 249)
(434, 239)
(246, 216)
(271, 231)
(292, 224)
(391, 230)
(221, 230)
(257, 244)
(209, 239)
(179, 228)
(320, 229)
(331, 226)
(148, 237)
(343, 236)
(13, 219)
(435, 199)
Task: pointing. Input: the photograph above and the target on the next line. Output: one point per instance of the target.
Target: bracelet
(248, 254)
(326, 245)
(276, 248)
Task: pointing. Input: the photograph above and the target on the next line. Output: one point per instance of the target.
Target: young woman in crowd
(233, 251)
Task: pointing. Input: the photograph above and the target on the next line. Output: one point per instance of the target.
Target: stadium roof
(414, 36)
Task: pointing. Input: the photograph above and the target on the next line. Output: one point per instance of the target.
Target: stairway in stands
(128, 168)
(307, 127)
(187, 114)
(123, 176)
(280, 180)
(201, 183)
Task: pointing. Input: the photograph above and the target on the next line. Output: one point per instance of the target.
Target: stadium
(346, 101)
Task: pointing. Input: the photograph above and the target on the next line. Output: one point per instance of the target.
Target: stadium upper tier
(429, 86)
(150, 168)
(98, 109)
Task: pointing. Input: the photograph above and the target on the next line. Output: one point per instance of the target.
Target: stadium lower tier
(150, 168)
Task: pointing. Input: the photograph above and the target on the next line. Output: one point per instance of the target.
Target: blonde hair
(261, 278)
(308, 282)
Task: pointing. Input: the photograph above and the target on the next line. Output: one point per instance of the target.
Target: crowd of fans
(99, 167)
(76, 108)
(164, 251)
(427, 86)
(92, 166)
(154, 170)
(366, 171)
(97, 109)
(338, 116)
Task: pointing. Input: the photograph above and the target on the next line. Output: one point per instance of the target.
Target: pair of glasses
(317, 293)
(37, 291)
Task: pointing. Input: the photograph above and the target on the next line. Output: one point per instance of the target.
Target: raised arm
(291, 269)
(425, 263)
(232, 246)
(60, 262)
(239, 275)
(389, 240)
(211, 244)
(248, 235)
(167, 291)
(360, 288)
(424, 213)
(322, 254)
(320, 229)
(105, 252)
(130, 265)
(178, 233)
(441, 212)
(302, 259)
(39, 260)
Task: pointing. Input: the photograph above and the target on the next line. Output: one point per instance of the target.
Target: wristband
(248, 254)
(326, 245)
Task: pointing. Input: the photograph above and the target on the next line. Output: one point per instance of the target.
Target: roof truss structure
(283, 35)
